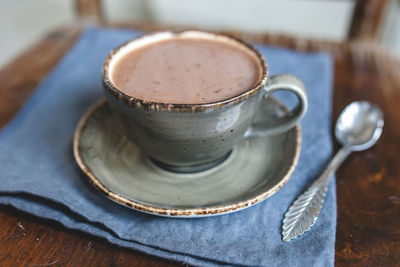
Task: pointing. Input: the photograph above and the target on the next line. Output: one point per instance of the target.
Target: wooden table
(368, 183)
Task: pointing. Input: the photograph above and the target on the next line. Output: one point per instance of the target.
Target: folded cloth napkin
(38, 173)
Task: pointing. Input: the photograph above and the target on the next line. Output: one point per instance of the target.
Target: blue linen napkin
(38, 173)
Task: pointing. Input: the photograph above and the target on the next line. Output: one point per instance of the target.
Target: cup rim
(195, 107)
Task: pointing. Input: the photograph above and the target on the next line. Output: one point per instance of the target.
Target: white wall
(390, 37)
(23, 22)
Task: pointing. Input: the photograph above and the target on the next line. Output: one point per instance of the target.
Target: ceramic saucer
(255, 169)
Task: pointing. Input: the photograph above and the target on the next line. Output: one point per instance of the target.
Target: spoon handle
(338, 159)
(303, 213)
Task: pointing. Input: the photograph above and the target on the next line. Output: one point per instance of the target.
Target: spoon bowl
(359, 125)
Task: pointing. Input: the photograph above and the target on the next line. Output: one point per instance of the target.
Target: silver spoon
(358, 128)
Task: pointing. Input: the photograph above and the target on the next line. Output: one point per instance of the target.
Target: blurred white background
(23, 22)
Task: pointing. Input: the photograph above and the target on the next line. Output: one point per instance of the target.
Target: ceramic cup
(194, 137)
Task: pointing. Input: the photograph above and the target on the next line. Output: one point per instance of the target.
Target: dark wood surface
(368, 183)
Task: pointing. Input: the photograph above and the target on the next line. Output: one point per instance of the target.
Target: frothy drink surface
(186, 71)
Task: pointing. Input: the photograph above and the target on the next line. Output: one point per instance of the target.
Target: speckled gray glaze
(189, 136)
(255, 170)
(184, 138)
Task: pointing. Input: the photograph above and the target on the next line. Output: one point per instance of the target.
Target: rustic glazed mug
(195, 137)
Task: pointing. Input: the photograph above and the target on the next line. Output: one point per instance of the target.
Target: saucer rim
(176, 212)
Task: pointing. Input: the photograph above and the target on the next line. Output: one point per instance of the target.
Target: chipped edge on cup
(173, 107)
(178, 213)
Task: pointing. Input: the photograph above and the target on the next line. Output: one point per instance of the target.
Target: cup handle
(281, 82)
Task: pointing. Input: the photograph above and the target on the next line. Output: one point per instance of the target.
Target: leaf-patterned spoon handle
(303, 213)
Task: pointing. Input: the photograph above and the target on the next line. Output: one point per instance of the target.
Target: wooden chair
(365, 22)
(368, 189)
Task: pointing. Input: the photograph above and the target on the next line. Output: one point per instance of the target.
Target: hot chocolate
(186, 71)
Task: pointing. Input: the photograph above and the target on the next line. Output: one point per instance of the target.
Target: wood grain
(368, 188)
(89, 11)
(367, 19)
